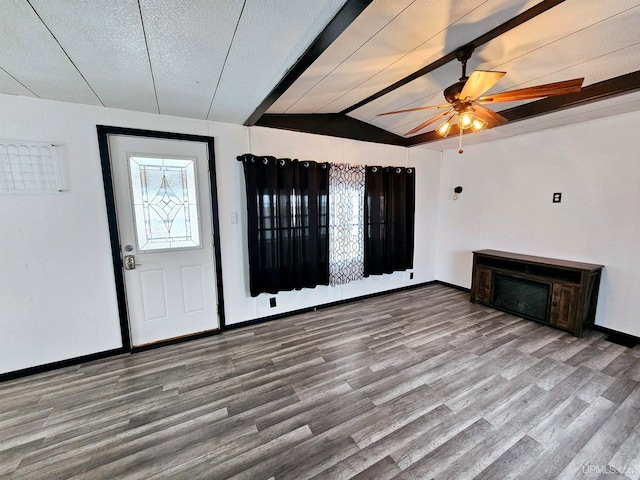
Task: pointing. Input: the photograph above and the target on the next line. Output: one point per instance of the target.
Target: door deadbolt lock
(130, 262)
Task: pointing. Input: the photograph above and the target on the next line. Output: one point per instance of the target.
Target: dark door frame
(103, 142)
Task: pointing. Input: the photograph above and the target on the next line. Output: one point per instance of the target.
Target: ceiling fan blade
(546, 90)
(479, 82)
(413, 109)
(492, 118)
(429, 121)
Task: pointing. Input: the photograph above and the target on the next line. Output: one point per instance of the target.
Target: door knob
(130, 262)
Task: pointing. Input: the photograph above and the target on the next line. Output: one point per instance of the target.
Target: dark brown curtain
(288, 215)
(389, 213)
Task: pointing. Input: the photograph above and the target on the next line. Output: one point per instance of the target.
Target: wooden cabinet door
(564, 305)
(483, 284)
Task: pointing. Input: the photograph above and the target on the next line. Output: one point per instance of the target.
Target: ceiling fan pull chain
(460, 141)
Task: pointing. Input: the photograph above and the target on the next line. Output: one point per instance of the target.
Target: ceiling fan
(465, 100)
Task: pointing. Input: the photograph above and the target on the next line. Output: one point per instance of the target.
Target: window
(288, 223)
(389, 218)
(318, 224)
(346, 223)
(165, 207)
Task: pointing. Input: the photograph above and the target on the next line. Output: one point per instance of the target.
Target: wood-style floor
(419, 384)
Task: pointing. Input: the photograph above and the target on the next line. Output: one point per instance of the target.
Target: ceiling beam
(591, 93)
(481, 40)
(332, 124)
(347, 14)
(342, 126)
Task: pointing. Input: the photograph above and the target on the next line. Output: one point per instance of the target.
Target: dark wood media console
(560, 293)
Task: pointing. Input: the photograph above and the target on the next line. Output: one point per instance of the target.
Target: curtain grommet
(306, 164)
(398, 170)
(265, 161)
(374, 169)
(282, 162)
(409, 170)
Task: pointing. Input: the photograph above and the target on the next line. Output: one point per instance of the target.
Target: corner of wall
(438, 217)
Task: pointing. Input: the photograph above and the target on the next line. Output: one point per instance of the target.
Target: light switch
(234, 217)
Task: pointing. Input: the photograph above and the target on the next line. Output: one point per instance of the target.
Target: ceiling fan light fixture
(445, 127)
(465, 99)
(466, 120)
(478, 124)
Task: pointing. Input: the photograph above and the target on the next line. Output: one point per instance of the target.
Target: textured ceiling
(205, 59)
(224, 59)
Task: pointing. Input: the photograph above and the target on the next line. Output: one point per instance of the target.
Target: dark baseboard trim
(174, 341)
(258, 321)
(60, 364)
(451, 285)
(109, 353)
(625, 337)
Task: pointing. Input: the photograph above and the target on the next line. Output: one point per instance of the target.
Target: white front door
(163, 206)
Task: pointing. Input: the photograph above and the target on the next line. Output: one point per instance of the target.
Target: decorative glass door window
(165, 206)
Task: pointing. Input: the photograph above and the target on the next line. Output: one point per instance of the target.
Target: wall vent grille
(29, 167)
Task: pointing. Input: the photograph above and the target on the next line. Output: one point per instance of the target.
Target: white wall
(286, 144)
(57, 292)
(506, 205)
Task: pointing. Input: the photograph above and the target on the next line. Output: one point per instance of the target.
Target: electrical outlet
(272, 302)
(557, 197)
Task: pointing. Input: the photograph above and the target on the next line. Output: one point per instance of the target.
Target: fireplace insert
(560, 293)
(522, 296)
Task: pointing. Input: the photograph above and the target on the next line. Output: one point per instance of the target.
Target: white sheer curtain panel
(346, 223)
